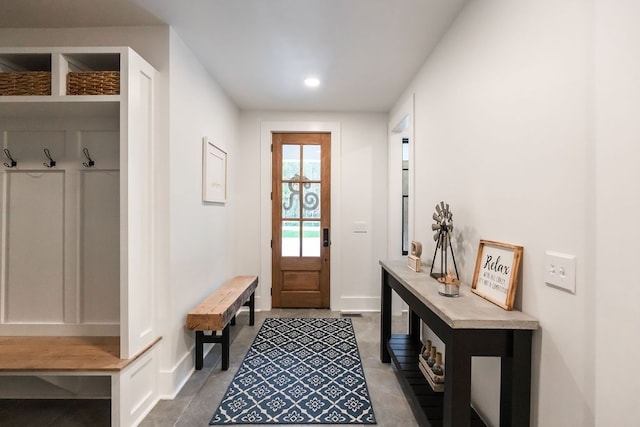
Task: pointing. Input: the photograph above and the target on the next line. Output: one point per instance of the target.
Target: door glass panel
(311, 162)
(291, 238)
(405, 221)
(301, 199)
(311, 238)
(405, 196)
(290, 162)
(290, 200)
(311, 200)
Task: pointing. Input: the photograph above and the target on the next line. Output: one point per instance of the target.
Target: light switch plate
(560, 271)
(359, 227)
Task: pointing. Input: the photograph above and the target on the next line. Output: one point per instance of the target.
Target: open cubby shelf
(426, 404)
(70, 72)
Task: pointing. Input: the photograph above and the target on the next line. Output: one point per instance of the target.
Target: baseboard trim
(171, 381)
(359, 304)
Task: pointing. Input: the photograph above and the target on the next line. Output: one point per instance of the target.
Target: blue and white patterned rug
(299, 371)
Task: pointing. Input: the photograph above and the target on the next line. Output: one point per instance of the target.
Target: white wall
(361, 196)
(502, 133)
(201, 235)
(617, 131)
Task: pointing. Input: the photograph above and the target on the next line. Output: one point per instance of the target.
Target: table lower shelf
(426, 404)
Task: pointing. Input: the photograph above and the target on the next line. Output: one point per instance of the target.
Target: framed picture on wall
(214, 172)
(496, 274)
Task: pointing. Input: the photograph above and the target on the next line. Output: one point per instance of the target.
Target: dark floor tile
(55, 413)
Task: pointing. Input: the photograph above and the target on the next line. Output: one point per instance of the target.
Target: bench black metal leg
(233, 321)
(251, 303)
(214, 338)
(199, 349)
(252, 309)
(225, 348)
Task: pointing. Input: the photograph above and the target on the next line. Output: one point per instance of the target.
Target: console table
(469, 326)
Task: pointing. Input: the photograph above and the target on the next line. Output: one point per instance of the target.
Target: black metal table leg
(457, 382)
(414, 326)
(515, 382)
(385, 319)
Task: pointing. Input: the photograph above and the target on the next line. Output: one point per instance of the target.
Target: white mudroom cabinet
(77, 208)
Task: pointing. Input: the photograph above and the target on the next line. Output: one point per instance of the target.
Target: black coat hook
(51, 163)
(12, 163)
(89, 163)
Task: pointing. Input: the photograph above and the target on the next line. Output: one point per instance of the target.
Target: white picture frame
(214, 172)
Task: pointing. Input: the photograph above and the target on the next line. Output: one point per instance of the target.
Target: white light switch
(360, 227)
(560, 271)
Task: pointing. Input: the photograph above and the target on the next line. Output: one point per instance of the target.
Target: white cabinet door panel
(100, 246)
(35, 247)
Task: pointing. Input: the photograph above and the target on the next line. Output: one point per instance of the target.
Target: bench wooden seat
(93, 358)
(63, 354)
(218, 311)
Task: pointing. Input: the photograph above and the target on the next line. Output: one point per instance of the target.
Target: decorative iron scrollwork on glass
(310, 199)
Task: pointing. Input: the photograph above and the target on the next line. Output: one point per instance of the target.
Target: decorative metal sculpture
(443, 228)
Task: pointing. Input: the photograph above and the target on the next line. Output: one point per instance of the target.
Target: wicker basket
(93, 83)
(25, 83)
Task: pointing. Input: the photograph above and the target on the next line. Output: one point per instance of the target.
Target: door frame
(263, 294)
(401, 124)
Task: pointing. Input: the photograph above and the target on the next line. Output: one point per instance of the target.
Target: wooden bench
(218, 312)
(90, 357)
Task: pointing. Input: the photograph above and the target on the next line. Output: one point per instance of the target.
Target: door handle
(325, 237)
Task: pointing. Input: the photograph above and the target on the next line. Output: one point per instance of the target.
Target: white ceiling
(365, 52)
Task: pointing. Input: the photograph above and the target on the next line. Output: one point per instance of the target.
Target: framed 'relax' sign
(496, 274)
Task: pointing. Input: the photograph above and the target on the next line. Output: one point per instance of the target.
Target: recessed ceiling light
(311, 82)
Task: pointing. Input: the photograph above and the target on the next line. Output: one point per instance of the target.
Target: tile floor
(198, 399)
